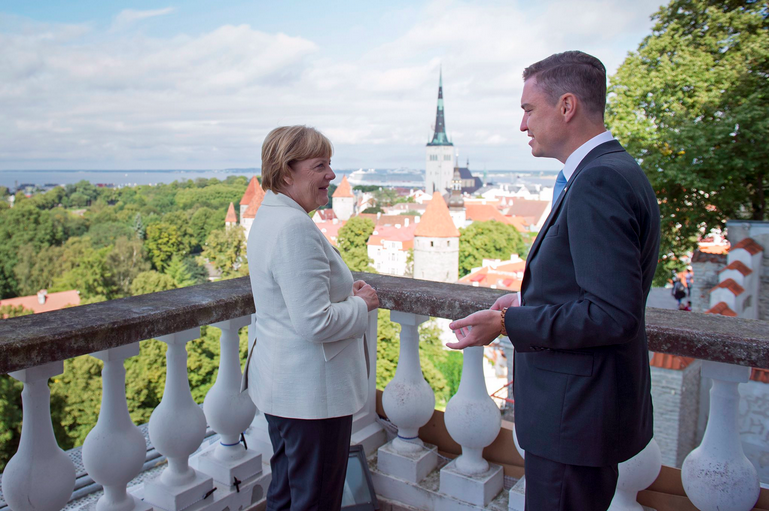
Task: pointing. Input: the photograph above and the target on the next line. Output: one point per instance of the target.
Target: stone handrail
(37, 339)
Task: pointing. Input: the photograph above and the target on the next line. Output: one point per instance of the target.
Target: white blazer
(308, 361)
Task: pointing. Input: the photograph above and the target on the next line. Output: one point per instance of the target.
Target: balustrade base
(424, 495)
(412, 467)
(139, 504)
(223, 472)
(179, 497)
(478, 490)
(370, 437)
(517, 496)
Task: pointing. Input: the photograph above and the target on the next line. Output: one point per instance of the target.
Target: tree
(10, 418)
(691, 105)
(487, 240)
(179, 271)
(126, 261)
(138, 227)
(352, 240)
(163, 242)
(204, 221)
(225, 249)
(151, 282)
(91, 276)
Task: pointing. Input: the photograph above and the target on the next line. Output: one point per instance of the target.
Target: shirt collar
(279, 199)
(575, 158)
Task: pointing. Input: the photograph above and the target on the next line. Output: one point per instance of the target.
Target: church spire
(440, 138)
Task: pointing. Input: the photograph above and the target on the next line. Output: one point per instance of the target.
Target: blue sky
(148, 85)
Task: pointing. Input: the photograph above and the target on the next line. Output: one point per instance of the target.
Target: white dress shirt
(575, 158)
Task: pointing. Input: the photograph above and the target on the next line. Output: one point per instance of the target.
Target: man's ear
(567, 106)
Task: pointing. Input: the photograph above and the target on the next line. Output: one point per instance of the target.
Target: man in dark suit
(582, 383)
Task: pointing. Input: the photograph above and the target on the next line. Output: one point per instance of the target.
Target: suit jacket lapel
(605, 148)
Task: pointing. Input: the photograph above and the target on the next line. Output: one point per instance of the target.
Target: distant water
(12, 178)
(378, 177)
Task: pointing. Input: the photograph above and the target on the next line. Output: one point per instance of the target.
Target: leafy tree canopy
(692, 105)
(487, 240)
(225, 249)
(352, 240)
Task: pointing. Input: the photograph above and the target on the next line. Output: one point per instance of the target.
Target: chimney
(41, 296)
(406, 222)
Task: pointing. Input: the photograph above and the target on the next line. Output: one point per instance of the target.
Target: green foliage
(11, 311)
(163, 242)
(91, 276)
(151, 282)
(489, 240)
(372, 210)
(105, 234)
(126, 261)
(10, 418)
(204, 221)
(225, 249)
(692, 105)
(138, 227)
(181, 271)
(214, 196)
(352, 243)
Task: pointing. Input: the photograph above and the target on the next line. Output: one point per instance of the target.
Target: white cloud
(71, 96)
(128, 17)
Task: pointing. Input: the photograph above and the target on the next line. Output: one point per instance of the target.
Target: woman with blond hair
(308, 370)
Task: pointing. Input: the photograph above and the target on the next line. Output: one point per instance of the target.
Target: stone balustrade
(227, 474)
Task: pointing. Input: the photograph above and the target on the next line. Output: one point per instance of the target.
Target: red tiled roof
(750, 245)
(532, 208)
(731, 285)
(739, 266)
(325, 215)
(504, 276)
(436, 221)
(231, 218)
(330, 229)
(722, 309)
(250, 191)
(667, 361)
(485, 212)
(343, 190)
(392, 233)
(255, 202)
(53, 301)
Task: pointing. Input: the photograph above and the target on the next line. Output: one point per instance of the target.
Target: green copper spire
(440, 138)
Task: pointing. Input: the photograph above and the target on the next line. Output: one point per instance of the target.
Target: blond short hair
(287, 145)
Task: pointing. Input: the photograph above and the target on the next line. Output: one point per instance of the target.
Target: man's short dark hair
(572, 71)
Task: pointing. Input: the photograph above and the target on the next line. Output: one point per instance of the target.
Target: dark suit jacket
(581, 382)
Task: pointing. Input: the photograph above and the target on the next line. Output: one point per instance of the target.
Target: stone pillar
(717, 475)
(473, 421)
(177, 428)
(40, 476)
(115, 433)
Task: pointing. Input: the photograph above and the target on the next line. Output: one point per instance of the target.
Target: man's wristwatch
(504, 330)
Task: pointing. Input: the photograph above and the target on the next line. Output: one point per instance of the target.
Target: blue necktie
(560, 184)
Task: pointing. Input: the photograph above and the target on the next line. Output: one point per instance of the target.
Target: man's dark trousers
(309, 463)
(553, 485)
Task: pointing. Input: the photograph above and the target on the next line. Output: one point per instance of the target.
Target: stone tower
(231, 220)
(436, 244)
(250, 191)
(439, 167)
(456, 202)
(247, 218)
(344, 200)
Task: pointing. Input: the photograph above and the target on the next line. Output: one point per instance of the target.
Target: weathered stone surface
(37, 339)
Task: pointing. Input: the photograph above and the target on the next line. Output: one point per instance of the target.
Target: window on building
(432, 243)
(447, 157)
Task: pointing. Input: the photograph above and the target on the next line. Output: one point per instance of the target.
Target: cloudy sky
(197, 84)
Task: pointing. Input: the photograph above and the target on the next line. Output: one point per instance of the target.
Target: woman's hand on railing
(365, 291)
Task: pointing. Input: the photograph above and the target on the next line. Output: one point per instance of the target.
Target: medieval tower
(439, 167)
(436, 244)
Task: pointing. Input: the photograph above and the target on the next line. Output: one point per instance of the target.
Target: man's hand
(477, 329)
(508, 300)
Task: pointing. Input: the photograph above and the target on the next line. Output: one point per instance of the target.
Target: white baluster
(473, 421)
(116, 434)
(40, 476)
(636, 474)
(472, 418)
(229, 412)
(408, 400)
(177, 428)
(717, 474)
